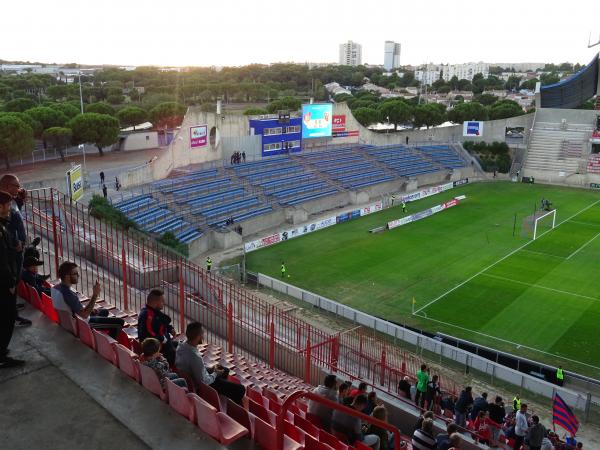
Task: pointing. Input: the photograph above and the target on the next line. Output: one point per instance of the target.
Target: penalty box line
(500, 260)
(506, 341)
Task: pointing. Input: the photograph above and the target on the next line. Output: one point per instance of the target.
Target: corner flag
(563, 416)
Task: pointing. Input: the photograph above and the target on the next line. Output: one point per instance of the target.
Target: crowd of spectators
(238, 158)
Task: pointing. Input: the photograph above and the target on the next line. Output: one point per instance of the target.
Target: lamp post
(82, 145)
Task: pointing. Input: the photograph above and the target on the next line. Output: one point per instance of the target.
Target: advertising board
(421, 214)
(472, 128)
(339, 123)
(317, 120)
(198, 136)
(75, 182)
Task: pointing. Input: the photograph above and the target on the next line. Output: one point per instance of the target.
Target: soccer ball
(289, 276)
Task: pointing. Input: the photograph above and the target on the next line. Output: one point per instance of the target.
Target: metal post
(54, 233)
(307, 362)
(272, 345)
(382, 378)
(124, 270)
(230, 327)
(181, 301)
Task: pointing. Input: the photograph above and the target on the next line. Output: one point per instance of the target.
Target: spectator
(153, 359)
(243, 156)
(189, 361)
(422, 418)
(404, 387)
(422, 438)
(117, 184)
(101, 177)
(479, 404)
(31, 276)
(455, 441)
(482, 427)
(547, 443)
(497, 413)
(362, 389)
(448, 402)
(152, 322)
(443, 440)
(465, 401)
(343, 390)
(327, 390)
(521, 427)
(432, 393)
(65, 299)
(385, 437)
(350, 426)
(535, 434)
(8, 283)
(104, 191)
(372, 402)
(10, 184)
(422, 380)
(516, 403)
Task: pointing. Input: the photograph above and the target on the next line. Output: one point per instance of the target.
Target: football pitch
(472, 270)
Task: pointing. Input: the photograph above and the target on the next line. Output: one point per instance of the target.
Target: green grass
(542, 301)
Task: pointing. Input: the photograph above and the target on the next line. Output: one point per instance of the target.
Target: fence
(386, 371)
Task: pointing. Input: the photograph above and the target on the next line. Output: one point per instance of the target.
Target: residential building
(334, 89)
(391, 55)
(465, 71)
(429, 75)
(350, 54)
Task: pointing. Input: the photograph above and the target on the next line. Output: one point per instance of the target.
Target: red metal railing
(129, 264)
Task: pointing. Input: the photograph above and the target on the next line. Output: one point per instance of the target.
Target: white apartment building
(429, 75)
(350, 54)
(391, 55)
(467, 71)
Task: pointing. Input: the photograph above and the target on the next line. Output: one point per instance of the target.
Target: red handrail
(333, 405)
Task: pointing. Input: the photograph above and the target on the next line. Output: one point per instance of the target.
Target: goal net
(539, 223)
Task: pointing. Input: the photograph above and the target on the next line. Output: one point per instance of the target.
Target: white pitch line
(510, 342)
(582, 247)
(542, 253)
(542, 287)
(502, 259)
(589, 224)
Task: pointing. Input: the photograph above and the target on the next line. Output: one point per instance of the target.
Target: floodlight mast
(590, 45)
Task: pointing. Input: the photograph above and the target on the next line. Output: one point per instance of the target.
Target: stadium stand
(443, 155)
(593, 163)
(574, 91)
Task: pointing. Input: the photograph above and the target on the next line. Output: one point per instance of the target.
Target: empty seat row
(241, 216)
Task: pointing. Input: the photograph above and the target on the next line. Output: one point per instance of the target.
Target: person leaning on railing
(319, 411)
(351, 427)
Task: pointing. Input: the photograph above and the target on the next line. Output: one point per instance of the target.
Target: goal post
(543, 223)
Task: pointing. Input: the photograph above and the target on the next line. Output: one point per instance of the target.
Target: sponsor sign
(460, 182)
(340, 134)
(198, 136)
(75, 182)
(595, 185)
(426, 192)
(421, 214)
(311, 227)
(339, 123)
(472, 128)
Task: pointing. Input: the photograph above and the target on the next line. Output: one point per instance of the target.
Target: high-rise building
(391, 55)
(350, 54)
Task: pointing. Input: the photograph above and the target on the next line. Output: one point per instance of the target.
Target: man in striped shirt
(423, 438)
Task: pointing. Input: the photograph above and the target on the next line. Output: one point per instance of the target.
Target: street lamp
(82, 145)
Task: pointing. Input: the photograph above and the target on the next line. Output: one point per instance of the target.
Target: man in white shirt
(521, 426)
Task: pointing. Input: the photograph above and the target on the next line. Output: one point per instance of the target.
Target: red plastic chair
(305, 425)
(128, 362)
(136, 346)
(255, 395)
(151, 382)
(314, 419)
(293, 432)
(84, 331)
(23, 291)
(34, 298)
(105, 346)
(239, 414)
(216, 424)
(266, 436)
(48, 308)
(179, 400)
(67, 321)
(210, 395)
(259, 411)
(312, 443)
(124, 340)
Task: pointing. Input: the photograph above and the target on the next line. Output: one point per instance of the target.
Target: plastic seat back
(218, 425)
(84, 332)
(265, 435)
(23, 291)
(48, 308)
(239, 414)
(259, 411)
(34, 298)
(305, 425)
(67, 321)
(151, 382)
(179, 400)
(128, 362)
(105, 346)
(209, 395)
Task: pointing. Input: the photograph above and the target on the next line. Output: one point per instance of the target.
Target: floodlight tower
(590, 45)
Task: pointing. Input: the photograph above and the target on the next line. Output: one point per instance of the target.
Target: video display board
(316, 120)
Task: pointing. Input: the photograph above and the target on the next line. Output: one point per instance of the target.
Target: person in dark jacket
(404, 387)
(8, 283)
(497, 414)
(152, 322)
(30, 275)
(432, 393)
(479, 404)
(465, 401)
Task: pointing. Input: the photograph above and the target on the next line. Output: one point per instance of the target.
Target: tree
(16, 137)
(58, 138)
(100, 108)
(486, 99)
(168, 114)
(529, 84)
(549, 78)
(19, 105)
(366, 116)
(48, 117)
(467, 111)
(98, 129)
(115, 99)
(284, 103)
(66, 108)
(33, 124)
(396, 112)
(339, 98)
(513, 83)
(132, 116)
(505, 109)
(255, 111)
(430, 114)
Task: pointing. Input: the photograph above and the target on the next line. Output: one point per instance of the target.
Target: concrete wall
(326, 203)
(251, 145)
(572, 116)
(141, 140)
